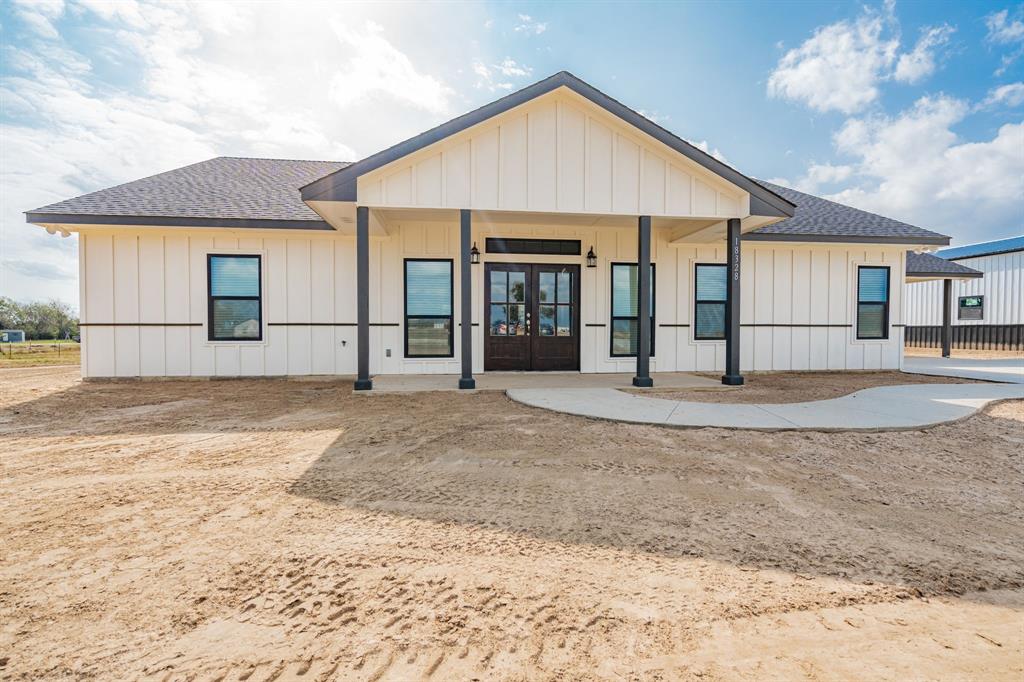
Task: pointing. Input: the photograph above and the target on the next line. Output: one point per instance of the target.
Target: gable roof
(220, 192)
(984, 248)
(929, 265)
(341, 185)
(818, 219)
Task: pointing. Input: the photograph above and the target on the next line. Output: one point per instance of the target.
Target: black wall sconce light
(474, 255)
(591, 258)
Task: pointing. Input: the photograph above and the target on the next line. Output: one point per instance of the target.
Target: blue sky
(912, 110)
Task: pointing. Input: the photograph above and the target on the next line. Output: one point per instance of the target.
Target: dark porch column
(643, 312)
(466, 304)
(363, 382)
(732, 376)
(947, 313)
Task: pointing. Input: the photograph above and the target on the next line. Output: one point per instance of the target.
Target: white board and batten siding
(558, 152)
(140, 287)
(1002, 286)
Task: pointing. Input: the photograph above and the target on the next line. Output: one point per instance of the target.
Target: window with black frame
(872, 302)
(709, 300)
(428, 308)
(971, 308)
(235, 310)
(625, 336)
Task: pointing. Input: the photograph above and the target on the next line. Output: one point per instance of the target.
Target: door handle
(527, 322)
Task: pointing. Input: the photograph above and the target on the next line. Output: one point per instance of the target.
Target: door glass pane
(429, 336)
(564, 327)
(234, 319)
(499, 287)
(547, 320)
(624, 337)
(234, 276)
(428, 288)
(517, 287)
(499, 320)
(565, 287)
(871, 321)
(547, 287)
(517, 320)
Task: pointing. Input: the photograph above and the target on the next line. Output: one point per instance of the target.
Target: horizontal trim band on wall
(591, 324)
(673, 325)
(140, 324)
(801, 326)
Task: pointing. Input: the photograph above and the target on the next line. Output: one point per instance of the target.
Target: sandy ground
(965, 354)
(792, 387)
(287, 530)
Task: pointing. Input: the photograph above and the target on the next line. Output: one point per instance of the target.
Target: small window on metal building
(971, 308)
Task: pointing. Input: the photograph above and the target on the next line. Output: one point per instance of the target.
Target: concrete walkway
(1010, 370)
(873, 409)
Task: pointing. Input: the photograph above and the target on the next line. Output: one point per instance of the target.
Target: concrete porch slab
(1009, 370)
(503, 381)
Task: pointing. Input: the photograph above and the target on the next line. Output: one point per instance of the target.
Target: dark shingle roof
(928, 265)
(998, 246)
(224, 188)
(821, 219)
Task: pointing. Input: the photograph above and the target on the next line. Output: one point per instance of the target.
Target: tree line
(51, 319)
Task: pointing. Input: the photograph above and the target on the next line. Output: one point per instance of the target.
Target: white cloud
(488, 76)
(657, 117)
(205, 79)
(914, 167)
(377, 67)
(840, 67)
(1005, 31)
(1011, 95)
(1002, 30)
(530, 26)
(40, 15)
(918, 64)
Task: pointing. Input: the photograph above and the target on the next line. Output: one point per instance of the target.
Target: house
(984, 308)
(524, 235)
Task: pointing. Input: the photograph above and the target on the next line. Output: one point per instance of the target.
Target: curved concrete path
(1008, 370)
(873, 409)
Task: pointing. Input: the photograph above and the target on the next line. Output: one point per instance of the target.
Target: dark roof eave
(36, 217)
(341, 184)
(941, 240)
(947, 275)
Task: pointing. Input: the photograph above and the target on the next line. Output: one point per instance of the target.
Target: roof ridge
(275, 158)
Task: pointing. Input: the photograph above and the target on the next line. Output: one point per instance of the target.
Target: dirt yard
(792, 387)
(257, 530)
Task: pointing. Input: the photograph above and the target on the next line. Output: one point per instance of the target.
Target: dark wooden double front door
(531, 317)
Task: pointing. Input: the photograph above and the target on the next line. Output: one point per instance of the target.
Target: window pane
(871, 321)
(499, 320)
(873, 285)
(709, 322)
(234, 276)
(517, 287)
(428, 288)
(624, 291)
(517, 320)
(624, 337)
(499, 287)
(711, 282)
(565, 287)
(547, 320)
(234, 319)
(429, 336)
(564, 326)
(547, 287)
